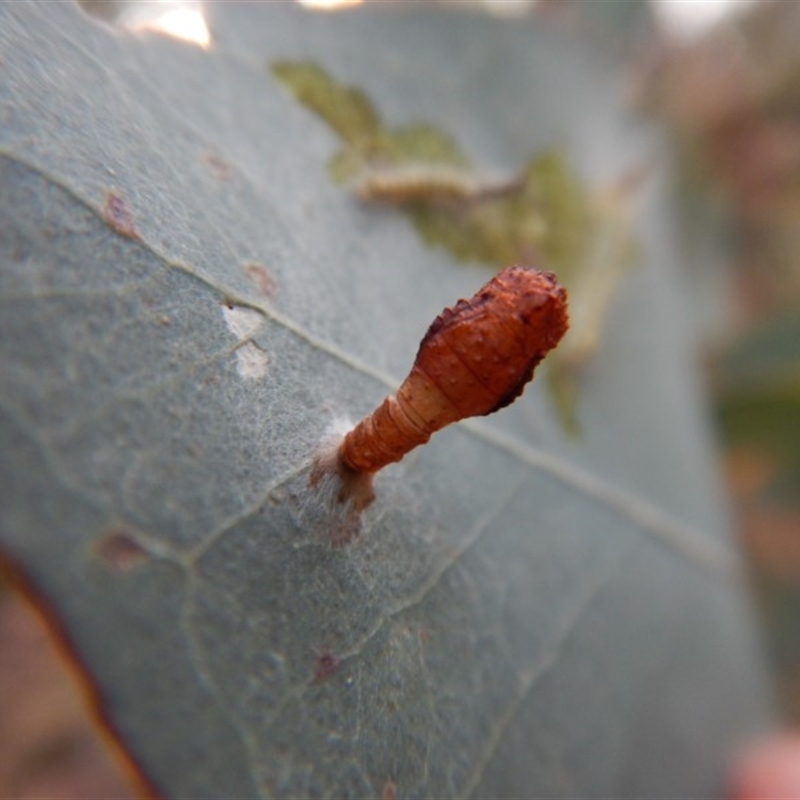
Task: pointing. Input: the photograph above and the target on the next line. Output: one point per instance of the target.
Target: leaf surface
(188, 303)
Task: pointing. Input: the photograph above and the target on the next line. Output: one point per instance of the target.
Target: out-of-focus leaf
(758, 398)
(542, 212)
(188, 302)
(593, 281)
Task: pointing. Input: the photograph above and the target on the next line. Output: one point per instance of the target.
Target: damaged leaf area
(543, 216)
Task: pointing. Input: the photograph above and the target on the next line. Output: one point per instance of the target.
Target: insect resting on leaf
(475, 359)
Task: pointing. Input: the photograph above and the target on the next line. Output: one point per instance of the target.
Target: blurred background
(722, 78)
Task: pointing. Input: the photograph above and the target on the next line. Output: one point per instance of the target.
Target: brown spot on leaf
(220, 169)
(261, 278)
(389, 790)
(327, 665)
(119, 216)
(119, 550)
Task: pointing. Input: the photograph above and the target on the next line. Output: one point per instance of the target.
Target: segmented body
(475, 359)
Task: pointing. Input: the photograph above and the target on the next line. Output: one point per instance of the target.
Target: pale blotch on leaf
(242, 322)
(541, 216)
(252, 361)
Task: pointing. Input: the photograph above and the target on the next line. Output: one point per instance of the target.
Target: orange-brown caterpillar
(475, 359)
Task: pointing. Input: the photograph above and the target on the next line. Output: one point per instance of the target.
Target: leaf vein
(690, 542)
(530, 677)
